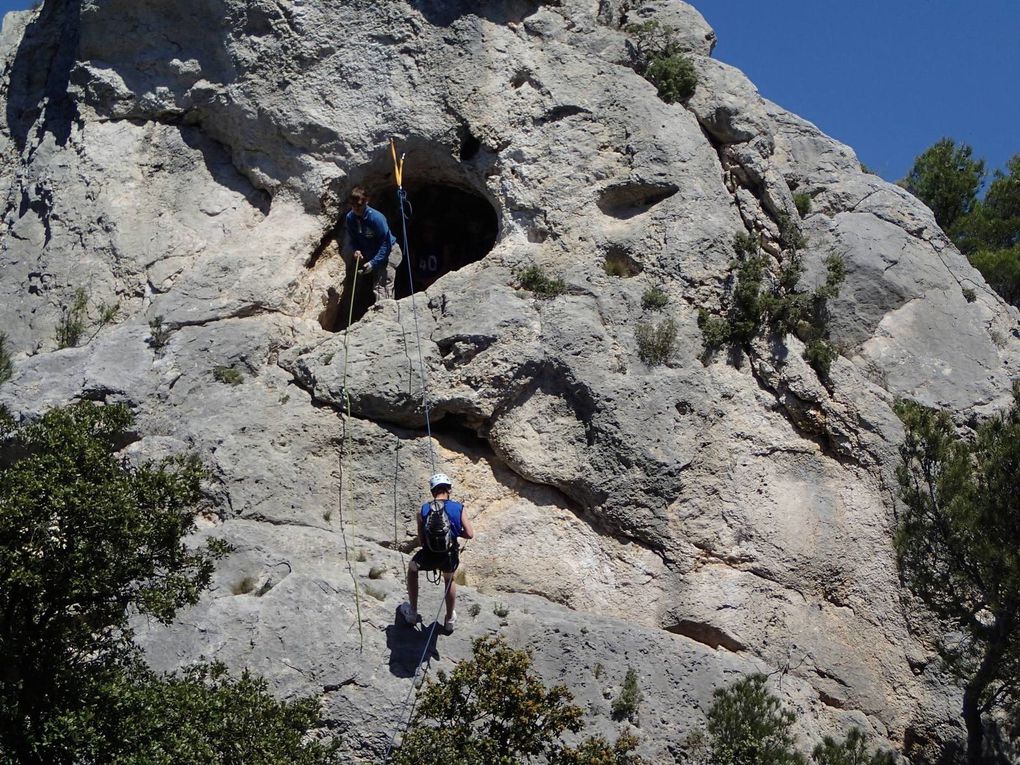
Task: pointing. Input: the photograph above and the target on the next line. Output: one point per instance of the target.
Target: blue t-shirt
(453, 510)
(370, 234)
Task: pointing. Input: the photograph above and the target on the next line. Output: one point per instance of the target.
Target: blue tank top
(453, 510)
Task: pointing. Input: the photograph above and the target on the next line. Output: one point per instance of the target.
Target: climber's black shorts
(433, 561)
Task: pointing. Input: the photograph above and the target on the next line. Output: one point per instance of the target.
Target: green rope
(344, 450)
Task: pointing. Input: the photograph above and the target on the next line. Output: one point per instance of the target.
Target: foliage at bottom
(493, 710)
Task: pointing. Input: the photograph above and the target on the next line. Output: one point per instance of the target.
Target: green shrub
(777, 304)
(1001, 269)
(107, 313)
(656, 342)
(625, 706)
(748, 726)
(969, 294)
(500, 610)
(715, 331)
(802, 201)
(200, 715)
(227, 375)
(745, 244)
(493, 708)
(6, 365)
(159, 333)
(474, 609)
(790, 235)
(654, 299)
(662, 62)
(620, 264)
(72, 321)
(820, 354)
(674, 77)
(534, 279)
(853, 750)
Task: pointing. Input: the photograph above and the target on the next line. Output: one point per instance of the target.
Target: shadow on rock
(409, 647)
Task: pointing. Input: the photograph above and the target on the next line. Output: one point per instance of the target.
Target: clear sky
(887, 77)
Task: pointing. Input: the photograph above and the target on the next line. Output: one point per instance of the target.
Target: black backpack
(439, 536)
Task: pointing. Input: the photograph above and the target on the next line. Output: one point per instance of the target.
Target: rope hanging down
(405, 213)
(404, 205)
(345, 443)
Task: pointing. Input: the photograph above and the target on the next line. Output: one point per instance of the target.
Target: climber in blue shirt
(442, 554)
(374, 247)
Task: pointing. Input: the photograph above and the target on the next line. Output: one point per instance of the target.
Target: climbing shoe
(450, 623)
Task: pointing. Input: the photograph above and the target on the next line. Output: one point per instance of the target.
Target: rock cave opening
(451, 222)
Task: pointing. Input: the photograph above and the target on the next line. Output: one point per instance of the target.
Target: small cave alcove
(448, 227)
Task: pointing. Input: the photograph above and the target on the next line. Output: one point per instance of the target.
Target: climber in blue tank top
(441, 523)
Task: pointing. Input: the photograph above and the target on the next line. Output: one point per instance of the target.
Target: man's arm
(466, 529)
(421, 530)
(379, 222)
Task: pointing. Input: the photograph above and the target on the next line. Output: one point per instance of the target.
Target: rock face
(185, 161)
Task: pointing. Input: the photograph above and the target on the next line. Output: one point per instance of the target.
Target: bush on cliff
(494, 710)
(85, 540)
(956, 544)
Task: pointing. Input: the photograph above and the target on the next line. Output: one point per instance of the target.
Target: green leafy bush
(853, 750)
(492, 708)
(202, 715)
(535, 280)
(625, 706)
(108, 313)
(947, 180)
(227, 375)
(86, 539)
(747, 725)
(1001, 269)
(776, 303)
(790, 235)
(159, 333)
(619, 263)
(82, 539)
(661, 61)
(802, 201)
(656, 342)
(71, 325)
(956, 545)
(654, 299)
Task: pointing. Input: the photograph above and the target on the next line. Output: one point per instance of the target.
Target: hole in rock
(618, 262)
(450, 224)
(626, 200)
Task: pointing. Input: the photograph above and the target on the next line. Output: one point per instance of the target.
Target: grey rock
(696, 519)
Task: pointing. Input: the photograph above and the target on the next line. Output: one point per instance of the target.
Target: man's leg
(451, 592)
(412, 585)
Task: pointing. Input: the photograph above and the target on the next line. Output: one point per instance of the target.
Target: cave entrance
(448, 228)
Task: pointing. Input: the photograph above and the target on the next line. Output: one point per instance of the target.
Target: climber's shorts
(427, 560)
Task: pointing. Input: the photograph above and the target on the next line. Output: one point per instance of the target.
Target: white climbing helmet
(440, 479)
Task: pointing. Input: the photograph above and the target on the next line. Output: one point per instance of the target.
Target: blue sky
(887, 77)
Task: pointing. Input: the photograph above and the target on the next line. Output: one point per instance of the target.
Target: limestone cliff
(695, 520)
